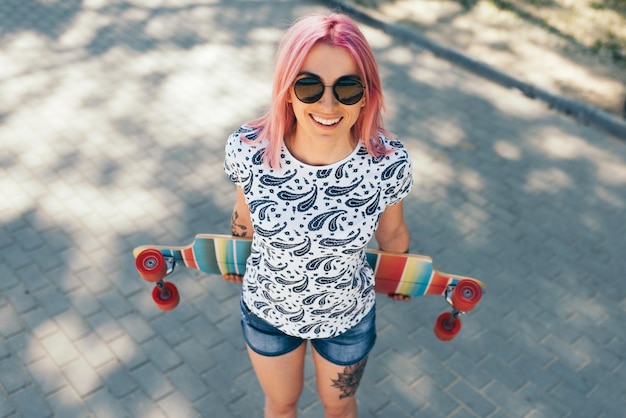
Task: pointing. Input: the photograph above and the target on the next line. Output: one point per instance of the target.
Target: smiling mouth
(326, 122)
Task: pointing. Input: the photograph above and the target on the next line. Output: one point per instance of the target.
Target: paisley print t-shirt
(307, 274)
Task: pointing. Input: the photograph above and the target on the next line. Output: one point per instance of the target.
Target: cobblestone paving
(113, 117)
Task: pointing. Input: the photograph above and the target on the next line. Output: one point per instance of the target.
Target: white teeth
(326, 122)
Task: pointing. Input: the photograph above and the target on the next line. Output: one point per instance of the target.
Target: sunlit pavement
(113, 118)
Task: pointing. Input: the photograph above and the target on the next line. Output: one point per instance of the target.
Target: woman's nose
(328, 98)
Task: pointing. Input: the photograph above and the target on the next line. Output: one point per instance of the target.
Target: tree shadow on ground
(497, 192)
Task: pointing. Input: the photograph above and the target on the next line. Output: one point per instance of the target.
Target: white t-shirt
(307, 274)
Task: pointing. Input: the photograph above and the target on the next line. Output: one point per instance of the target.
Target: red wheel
(151, 265)
(447, 326)
(466, 295)
(168, 301)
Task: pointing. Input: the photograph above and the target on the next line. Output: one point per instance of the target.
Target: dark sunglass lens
(309, 90)
(348, 92)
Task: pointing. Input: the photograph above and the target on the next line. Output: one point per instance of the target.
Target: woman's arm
(392, 233)
(240, 221)
(240, 226)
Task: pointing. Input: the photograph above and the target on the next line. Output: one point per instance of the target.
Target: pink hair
(336, 30)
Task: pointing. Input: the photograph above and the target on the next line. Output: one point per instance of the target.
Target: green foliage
(612, 46)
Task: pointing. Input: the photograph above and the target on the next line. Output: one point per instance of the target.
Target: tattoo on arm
(238, 230)
(348, 381)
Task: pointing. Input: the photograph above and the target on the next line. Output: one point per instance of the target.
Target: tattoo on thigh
(348, 381)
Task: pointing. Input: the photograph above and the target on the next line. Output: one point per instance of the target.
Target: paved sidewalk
(113, 117)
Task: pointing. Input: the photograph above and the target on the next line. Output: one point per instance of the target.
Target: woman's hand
(398, 296)
(233, 278)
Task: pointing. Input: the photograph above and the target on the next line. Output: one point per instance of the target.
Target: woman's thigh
(337, 385)
(340, 364)
(278, 359)
(281, 377)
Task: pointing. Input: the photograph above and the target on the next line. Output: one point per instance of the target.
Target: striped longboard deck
(407, 274)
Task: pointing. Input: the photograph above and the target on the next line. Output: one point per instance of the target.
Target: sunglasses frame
(319, 96)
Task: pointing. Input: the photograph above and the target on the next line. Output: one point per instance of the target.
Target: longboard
(409, 275)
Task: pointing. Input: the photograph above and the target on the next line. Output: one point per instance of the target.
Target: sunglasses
(348, 90)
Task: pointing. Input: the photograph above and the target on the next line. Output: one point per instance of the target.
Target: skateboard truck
(153, 267)
(463, 297)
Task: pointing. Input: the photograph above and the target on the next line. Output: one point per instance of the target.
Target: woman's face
(327, 120)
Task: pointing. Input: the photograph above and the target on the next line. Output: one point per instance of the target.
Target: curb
(581, 111)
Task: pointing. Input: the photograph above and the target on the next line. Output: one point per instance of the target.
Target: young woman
(317, 177)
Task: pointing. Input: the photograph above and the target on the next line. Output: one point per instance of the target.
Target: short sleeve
(232, 166)
(398, 177)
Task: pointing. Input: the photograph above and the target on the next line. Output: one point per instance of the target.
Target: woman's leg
(339, 364)
(282, 380)
(337, 386)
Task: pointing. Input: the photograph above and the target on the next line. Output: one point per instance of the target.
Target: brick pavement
(113, 117)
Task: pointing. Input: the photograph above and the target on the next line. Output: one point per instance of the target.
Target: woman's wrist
(388, 251)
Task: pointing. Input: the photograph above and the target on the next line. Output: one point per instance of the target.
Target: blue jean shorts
(346, 349)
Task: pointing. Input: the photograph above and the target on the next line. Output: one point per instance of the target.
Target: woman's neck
(319, 152)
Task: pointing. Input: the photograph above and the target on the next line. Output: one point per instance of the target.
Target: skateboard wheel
(166, 303)
(151, 265)
(466, 295)
(447, 326)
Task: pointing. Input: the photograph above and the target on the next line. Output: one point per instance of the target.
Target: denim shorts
(346, 349)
